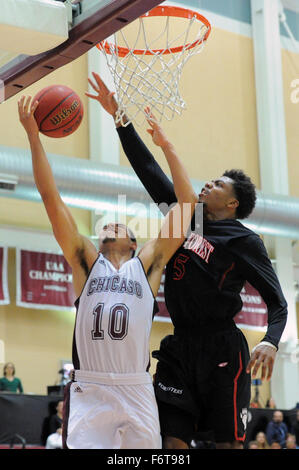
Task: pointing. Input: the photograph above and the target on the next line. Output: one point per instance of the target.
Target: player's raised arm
(182, 185)
(64, 227)
(156, 253)
(155, 181)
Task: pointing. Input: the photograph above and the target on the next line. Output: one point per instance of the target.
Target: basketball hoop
(145, 75)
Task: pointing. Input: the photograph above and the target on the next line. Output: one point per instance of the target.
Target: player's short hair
(245, 192)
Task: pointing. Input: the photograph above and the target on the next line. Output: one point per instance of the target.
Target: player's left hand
(262, 356)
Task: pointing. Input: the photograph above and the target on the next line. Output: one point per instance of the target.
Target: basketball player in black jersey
(203, 375)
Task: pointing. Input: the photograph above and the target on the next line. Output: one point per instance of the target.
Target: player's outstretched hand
(26, 115)
(156, 131)
(262, 356)
(103, 95)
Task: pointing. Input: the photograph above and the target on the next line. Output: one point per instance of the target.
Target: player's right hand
(26, 115)
(104, 96)
(156, 131)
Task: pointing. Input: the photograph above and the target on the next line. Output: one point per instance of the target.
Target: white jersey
(114, 319)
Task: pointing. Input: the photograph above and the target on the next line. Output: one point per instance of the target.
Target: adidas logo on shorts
(78, 389)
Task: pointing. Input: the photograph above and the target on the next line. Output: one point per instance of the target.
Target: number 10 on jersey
(118, 322)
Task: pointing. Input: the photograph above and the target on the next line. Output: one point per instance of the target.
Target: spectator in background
(261, 440)
(55, 421)
(275, 445)
(253, 445)
(295, 427)
(271, 403)
(54, 440)
(291, 442)
(10, 383)
(276, 429)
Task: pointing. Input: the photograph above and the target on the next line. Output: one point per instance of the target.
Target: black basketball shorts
(202, 387)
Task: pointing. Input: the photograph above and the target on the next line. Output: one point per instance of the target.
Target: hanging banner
(4, 295)
(252, 316)
(44, 281)
(254, 313)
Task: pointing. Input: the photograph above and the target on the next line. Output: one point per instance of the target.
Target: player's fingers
(99, 81)
(94, 97)
(27, 105)
(154, 119)
(251, 362)
(21, 104)
(34, 106)
(150, 122)
(147, 111)
(93, 85)
(261, 361)
(256, 368)
(264, 369)
(150, 117)
(270, 369)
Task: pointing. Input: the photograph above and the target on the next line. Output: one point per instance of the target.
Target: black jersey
(205, 276)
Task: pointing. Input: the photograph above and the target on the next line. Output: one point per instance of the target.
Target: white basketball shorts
(111, 411)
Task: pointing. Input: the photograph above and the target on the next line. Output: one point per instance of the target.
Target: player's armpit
(174, 229)
(156, 253)
(153, 264)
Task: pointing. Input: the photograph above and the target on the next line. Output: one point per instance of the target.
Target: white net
(146, 76)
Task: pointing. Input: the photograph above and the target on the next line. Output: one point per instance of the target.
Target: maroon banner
(44, 280)
(252, 316)
(254, 313)
(4, 296)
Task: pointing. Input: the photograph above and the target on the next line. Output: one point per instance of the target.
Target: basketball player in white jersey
(110, 402)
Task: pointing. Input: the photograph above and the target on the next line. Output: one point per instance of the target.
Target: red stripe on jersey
(237, 438)
(225, 274)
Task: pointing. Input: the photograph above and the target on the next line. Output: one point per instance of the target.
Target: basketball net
(148, 76)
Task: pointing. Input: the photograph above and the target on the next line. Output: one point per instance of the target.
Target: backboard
(92, 22)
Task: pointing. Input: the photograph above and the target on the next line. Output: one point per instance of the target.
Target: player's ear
(133, 245)
(233, 204)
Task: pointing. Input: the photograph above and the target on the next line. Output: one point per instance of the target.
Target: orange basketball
(60, 111)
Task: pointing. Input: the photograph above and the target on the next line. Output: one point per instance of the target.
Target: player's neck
(116, 258)
(219, 215)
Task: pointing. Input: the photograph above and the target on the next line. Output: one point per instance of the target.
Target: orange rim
(167, 10)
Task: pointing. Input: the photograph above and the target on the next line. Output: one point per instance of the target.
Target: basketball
(60, 111)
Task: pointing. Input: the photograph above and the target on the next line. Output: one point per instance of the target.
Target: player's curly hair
(245, 192)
